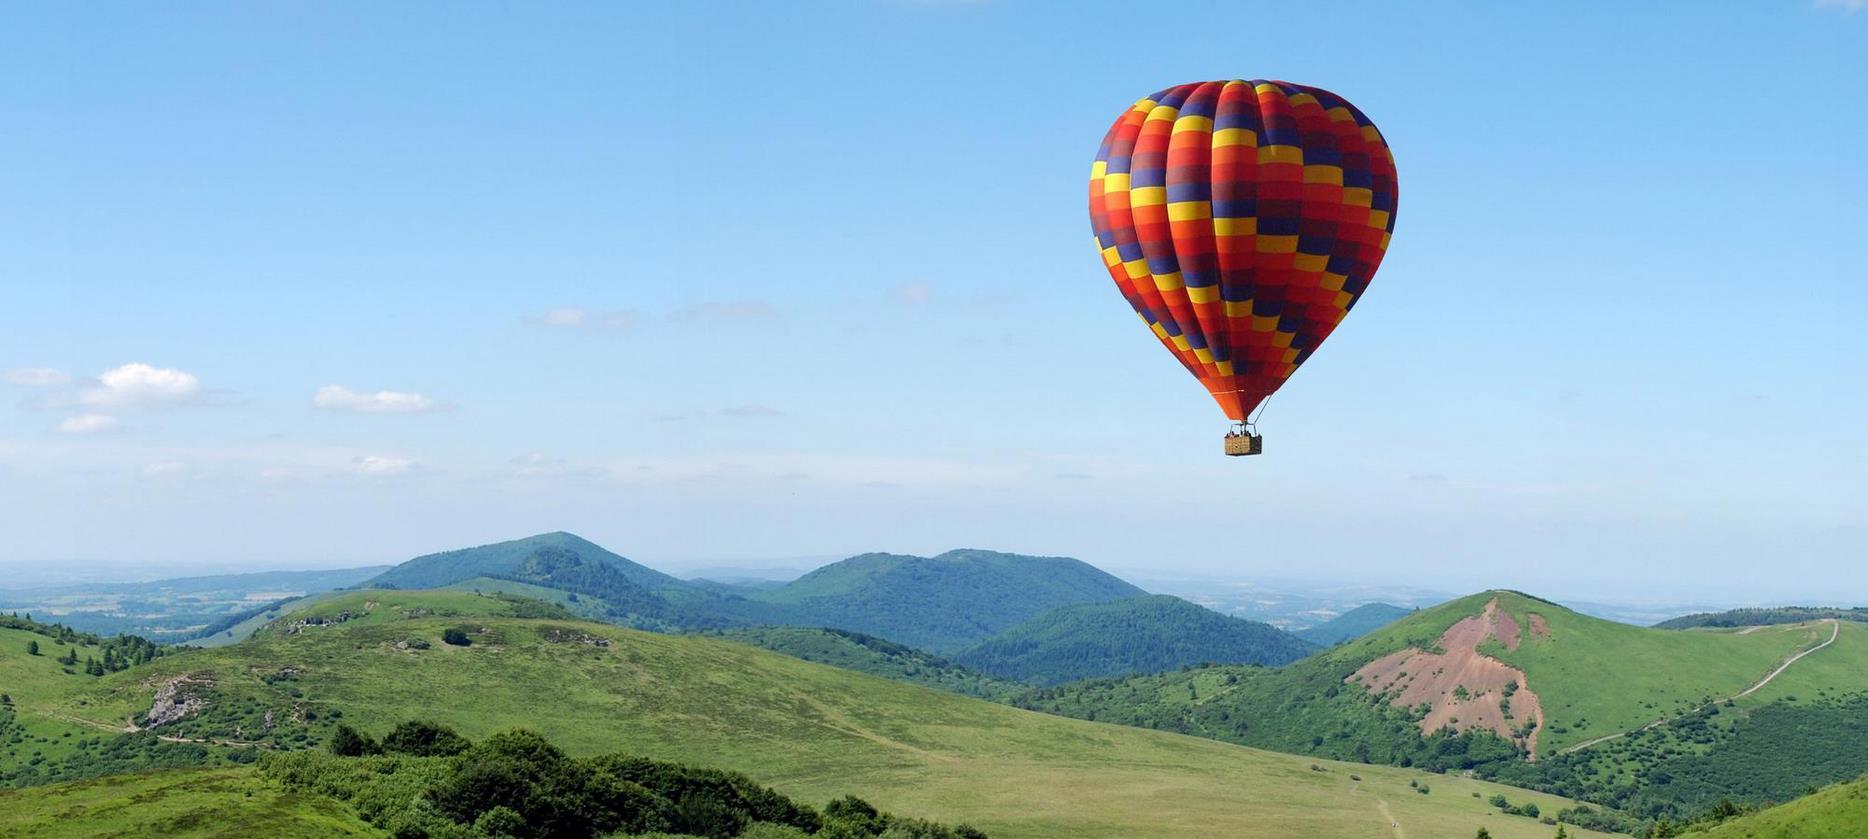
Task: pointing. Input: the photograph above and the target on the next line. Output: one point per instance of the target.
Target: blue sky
(325, 284)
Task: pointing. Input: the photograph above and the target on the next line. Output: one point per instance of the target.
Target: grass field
(812, 731)
(175, 803)
(1839, 812)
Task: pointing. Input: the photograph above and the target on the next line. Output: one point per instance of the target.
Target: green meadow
(812, 731)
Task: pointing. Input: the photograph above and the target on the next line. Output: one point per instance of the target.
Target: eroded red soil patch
(1463, 689)
(1539, 628)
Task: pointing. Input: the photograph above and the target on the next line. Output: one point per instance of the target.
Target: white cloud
(914, 294)
(139, 385)
(382, 465)
(339, 398)
(575, 317)
(1845, 6)
(34, 376)
(87, 424)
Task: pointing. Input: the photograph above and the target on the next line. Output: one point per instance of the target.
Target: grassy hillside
(1353, 624)
(1839, 812)
(1120, 637)
(945, 602)
(502, 559)
(1591, 679)
(875, 656)
(374, 658)
(175, 803)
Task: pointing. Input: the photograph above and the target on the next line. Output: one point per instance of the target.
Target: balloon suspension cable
(1249, 425)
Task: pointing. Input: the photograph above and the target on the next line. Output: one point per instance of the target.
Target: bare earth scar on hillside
(1462, 688)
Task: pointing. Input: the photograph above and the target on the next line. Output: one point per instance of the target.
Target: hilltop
(1486, 681)
(944, 602)
(1353, 624)
(372, 658)
(1120, 637)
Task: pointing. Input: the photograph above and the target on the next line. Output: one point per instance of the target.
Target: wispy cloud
(1847, 7)
(579, 318)
(343, 399)
(88, 424)
(751, 411)
(34, 376)
(914, 294)
(377, 465)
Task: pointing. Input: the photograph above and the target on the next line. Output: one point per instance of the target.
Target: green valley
(371, 659)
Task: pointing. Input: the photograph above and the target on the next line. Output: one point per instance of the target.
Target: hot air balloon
(1242, 220)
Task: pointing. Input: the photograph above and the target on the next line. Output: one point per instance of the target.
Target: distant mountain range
(1031, 619)
(1764, 617)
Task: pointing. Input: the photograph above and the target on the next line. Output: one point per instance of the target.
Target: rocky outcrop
(178, 699)
(1459, 687)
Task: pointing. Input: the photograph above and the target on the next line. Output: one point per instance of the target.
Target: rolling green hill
(1512, 672)
(1353, 624)
(875, 656)
(373, 658)
(1839, 812)
(504, 559)
(945, 602)
(1764, 617)
(1119, 637)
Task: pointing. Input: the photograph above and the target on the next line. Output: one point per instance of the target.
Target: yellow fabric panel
(1334, 282)
(1356, 196)
(1264, 324)
(1115, 182)
(1224, 226)
(1238, 308)
(1136, 268)
(1280, 154)
(1378, 218)
(1234, 137)
(1277, 244)
(1311, 262)
(1169, 282)
(1148, 196)
(1203, 294)
(1193, 122)
(1189, 210)
(1317, 174)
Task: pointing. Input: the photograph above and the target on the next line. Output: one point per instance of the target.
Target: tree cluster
(424, 780)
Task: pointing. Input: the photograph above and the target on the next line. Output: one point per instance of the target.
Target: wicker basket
(1239, 445)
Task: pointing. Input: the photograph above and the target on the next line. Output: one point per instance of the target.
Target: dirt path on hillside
(1835, 631)
(1390, 816)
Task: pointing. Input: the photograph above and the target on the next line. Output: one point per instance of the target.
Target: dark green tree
(424, 739)
(456, 637)
(32, 647)
(349, 742)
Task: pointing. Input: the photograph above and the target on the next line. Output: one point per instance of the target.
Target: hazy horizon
(283, 292)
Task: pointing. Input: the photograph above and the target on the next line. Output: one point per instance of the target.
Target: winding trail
(1835, 631)
(1390, 816)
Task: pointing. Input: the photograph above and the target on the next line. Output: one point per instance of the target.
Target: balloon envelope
(1242, 220)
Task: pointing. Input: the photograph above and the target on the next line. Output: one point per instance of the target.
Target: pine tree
(32, 647)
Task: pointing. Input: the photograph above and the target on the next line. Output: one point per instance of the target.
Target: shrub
(456, 636)
(424, 739)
